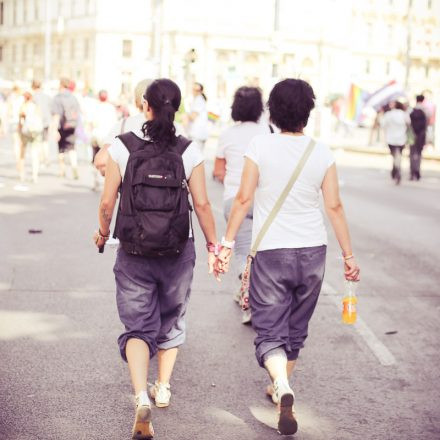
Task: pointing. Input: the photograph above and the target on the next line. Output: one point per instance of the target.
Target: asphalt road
(61, 376)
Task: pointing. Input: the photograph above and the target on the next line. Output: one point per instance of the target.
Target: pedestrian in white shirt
(396, 123)
(198, 117)
(247, 109)
(288, 267)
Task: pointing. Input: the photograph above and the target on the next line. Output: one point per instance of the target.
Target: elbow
(202, 207)
(335, 209)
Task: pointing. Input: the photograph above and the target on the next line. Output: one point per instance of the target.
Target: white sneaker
(142, 427)
(161, 394)
(287, 424)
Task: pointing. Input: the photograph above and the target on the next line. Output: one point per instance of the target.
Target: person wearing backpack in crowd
(30, 128)
(286, 173)
(44, 103)
(156, 257)
(66, 107)
(247, 108)
(419, 124)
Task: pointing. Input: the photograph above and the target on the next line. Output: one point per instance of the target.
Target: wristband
(227, 244)
(103, 236)
(348, 257)
(214, 248)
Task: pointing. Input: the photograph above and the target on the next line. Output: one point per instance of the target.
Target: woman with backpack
(155, 260)
(286, 172)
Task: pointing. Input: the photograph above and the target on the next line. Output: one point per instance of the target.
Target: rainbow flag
(213, 117)
(355, 102)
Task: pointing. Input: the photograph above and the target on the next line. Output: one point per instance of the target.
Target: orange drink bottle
(349, 303)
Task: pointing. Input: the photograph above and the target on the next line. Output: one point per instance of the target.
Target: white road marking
(381, 352)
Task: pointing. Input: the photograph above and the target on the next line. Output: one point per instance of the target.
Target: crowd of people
(35, 120)
(275, 167)
(406, 127)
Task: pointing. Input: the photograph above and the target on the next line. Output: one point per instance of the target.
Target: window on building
(72, 48)
(367, 67)
(127, 46)
(369, 32)
(2, 12)
(387, 68)
(1, 54)
(36, 10)
(427, 71)
(86, 48)
(390, 33)
(25, 10)
(24, 52)
(14, 13)
(429, 4)
(60, 8)
(59, 50)
(14, 53)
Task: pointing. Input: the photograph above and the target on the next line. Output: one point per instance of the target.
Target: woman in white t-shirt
(288, 269)
(395, 123)
(152, 292)
(198, 117)
(247, 108)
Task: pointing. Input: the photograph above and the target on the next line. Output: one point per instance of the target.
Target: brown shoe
(142, 428)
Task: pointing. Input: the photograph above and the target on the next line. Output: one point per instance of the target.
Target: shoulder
(193, 154)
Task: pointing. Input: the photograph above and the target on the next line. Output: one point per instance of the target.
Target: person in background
(247, 109)
(66, 108)
(130, 123)
(288, 269)
(103, 118)
(31, 128)
(44, 103)
(419, 123)
(14, 101)
(197, 118)
(152, 293)
(395, 123)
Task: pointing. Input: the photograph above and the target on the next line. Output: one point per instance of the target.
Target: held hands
(218, 260)
(351, 270)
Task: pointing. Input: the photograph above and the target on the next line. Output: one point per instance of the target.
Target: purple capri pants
(283, 292)
(152, 295)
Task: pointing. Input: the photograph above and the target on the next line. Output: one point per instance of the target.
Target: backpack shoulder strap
(182, 144)
(131, 141)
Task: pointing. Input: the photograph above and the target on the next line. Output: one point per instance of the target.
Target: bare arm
(108, 199)
(240, 207)
(219, 172)
(202, 207)
(335, 213)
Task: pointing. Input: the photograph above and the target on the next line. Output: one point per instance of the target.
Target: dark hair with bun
(163, 96)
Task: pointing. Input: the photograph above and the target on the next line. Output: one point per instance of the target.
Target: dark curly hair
(163, 96)
(247, 104)
(290, 103)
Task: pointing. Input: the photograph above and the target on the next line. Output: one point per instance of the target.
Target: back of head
(64, 83)
(139, 91)
(420, 98)
(36, 84)
(247, 104)
(200, 89)
(399, 106)
(163, 96)
(290, 104)
(103, 95)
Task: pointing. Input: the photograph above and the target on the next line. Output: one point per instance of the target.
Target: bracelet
(214, 248)
(348, 257)
(103, 236)
(227, 244)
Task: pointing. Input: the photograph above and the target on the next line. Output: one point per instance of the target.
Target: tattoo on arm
(106, 216)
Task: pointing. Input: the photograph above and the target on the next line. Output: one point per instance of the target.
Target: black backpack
(418, 120)
(154, 211)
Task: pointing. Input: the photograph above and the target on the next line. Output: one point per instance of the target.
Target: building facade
(331, 43)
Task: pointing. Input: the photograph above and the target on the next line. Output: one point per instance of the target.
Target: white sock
(142, 399)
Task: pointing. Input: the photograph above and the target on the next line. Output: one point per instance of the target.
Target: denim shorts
(284, 289)
(152, 296)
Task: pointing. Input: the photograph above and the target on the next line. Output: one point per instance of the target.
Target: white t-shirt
(232, 145)
(395, 122)
(198, 129)
(132, 123)
(119, 153)
(299, 223)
